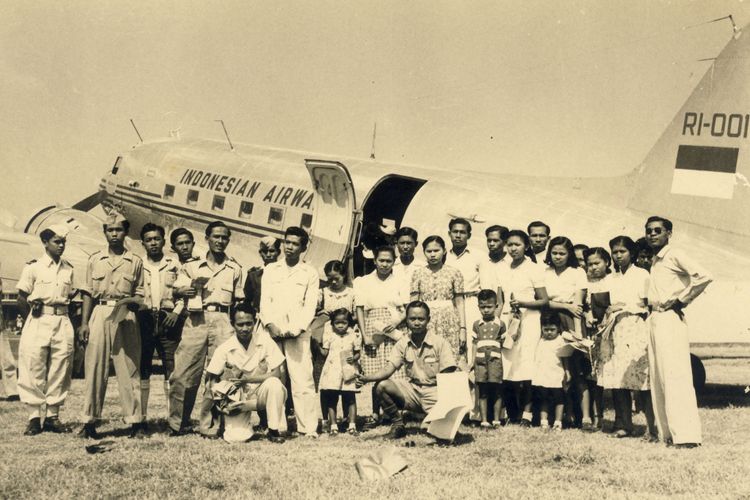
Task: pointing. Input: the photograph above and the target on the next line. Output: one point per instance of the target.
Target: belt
(55, 310)
(216, 308)
(110, 302)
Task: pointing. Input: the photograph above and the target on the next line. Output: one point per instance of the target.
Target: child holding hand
(341, 346)
(552, 372)
(489, 334)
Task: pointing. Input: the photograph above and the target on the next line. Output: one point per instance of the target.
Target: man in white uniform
(287, 307)
(676, 280)
(45, 353)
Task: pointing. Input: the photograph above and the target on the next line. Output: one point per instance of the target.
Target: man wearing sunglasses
(676, 280)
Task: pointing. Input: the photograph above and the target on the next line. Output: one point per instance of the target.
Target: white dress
(520, 282)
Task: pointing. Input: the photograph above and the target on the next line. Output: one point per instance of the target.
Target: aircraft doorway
(387, 201)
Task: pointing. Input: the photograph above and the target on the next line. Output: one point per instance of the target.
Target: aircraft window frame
(277, 220)
(218, 203)
(246, 214)
(169, 191)
(193, 195)
(305, 221)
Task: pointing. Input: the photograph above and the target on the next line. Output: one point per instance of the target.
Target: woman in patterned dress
(624, 353)
(380, 301)
(442, 288)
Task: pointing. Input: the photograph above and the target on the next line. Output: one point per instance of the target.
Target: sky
(574, 88)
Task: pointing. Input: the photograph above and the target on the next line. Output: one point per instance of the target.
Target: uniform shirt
(564, 286)
(422, 363)
(107, 279)
(629, 289)
(548, 366)
(468, 263)
(492, 274)
(224, 284)
(261, 356)
(158, 284)
(371, 292)
(675, 276)
(289, 296)
(522, 280)
(487, 341)
(43, 279)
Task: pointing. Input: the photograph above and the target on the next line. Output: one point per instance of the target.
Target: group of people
(541, 325)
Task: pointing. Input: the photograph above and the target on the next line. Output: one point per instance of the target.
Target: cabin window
(246, 209)
(168, 192)
(276, 216)
(218, 203)
(116, 166)
(192, 197)
(306, 221)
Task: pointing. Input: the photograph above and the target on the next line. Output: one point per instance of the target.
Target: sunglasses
(654, 230)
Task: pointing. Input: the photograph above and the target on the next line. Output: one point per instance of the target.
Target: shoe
(372, 422)
(88, 432)
(686, 446)
(352, 431)
(33, 427)
(557, 428)
(333, 431)
(53, 424)
(210, 436)
(137, 431)
(397, 431)
(275, 437)
(587, 427)
(544, 426)
(525, 422)
(496, 424)
(178, 433)
(485, 425)
(621, 433)
(650, 438)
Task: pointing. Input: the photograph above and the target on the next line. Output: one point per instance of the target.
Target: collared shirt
(158, 284)
(521, 281)
(261, 356)
(630, 289)
(289, 296)
(110, 277)
(468, 263)
(492, 274)
(422, 363)
(488, 341)
(675, 276)
(563, 287)
(224, 284)
(371, 292)
(48, 281)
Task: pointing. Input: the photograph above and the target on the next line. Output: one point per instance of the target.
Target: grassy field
(510, 462)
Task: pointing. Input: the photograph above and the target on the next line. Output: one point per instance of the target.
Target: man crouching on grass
(251, 362)
(424, 355)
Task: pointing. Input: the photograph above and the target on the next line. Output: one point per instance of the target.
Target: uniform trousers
(202, 334)
(9, 383)
(270, 397)
(156, 336)
(671, 376)
(45, 355)
(120, 342)
(300, 369)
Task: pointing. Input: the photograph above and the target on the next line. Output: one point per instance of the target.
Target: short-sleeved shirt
(522, 281)
(548, 366)
(422, 363)
(261, 356)
(563, 287)
(468, 264)
(674, 275)
(488, 340)
(371, 292)
(629, 289)
(492, 273)
(158, 283)
(225, 281)
(112, 277)
(47, 281)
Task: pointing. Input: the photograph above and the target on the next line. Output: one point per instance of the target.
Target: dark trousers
(156, 336)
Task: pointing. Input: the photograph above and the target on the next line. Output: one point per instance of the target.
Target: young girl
(566, 286)
(598, 264)
(552, 372)
(524, 285)
(624, 353)
(341, 346)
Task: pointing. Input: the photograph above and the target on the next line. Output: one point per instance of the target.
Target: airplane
(696, 174)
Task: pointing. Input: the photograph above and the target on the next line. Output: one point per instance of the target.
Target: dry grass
(511, 462)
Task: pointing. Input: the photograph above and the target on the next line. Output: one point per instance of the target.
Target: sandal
(352, 431)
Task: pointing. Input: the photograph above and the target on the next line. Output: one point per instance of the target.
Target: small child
(488, 362)
(341, 346)
(551, 370)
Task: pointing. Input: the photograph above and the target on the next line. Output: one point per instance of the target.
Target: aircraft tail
(698, 171)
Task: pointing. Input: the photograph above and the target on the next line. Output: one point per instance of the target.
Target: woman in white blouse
(380, 299)
(624, 352)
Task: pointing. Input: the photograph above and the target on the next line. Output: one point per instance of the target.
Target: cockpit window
(116, 166)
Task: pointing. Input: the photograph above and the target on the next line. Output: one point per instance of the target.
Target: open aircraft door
(336, 218)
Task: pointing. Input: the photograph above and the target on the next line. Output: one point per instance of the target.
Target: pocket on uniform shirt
(431, 366)
(97, 282)
(125, 285)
